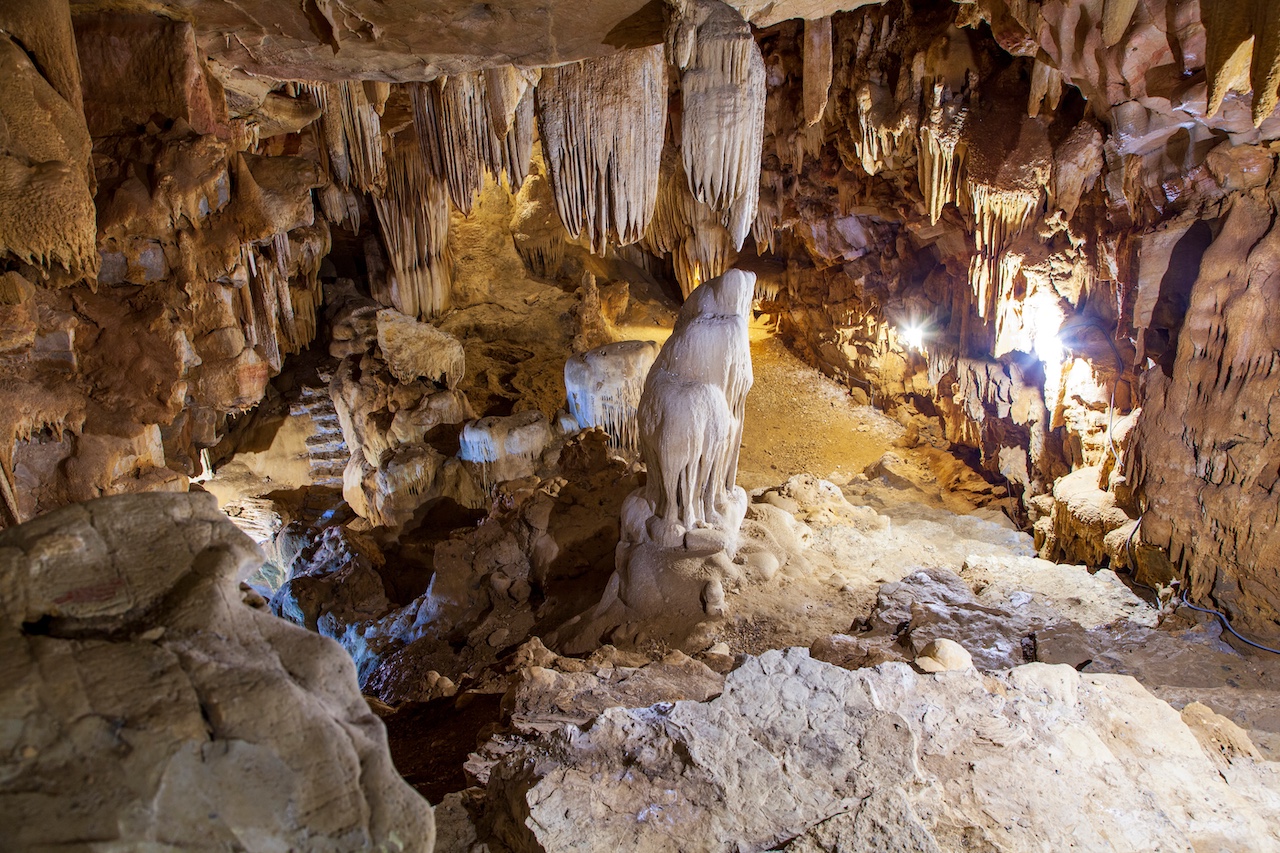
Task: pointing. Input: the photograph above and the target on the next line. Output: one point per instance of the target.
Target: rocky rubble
(143, 704)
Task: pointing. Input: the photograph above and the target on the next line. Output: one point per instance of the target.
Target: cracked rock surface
(800, 755)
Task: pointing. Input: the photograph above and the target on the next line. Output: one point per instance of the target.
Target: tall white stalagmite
(602, 123)
(692, 410)
(413, 214)
(817, 68)
(723, 90)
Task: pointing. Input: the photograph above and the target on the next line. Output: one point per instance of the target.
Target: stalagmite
(413, 214)
(723, 91)
(941, 158)
(698, 238)
(680, 531)
(505, 448)
(602, 124)
(817, 68)
(604, 385)
(692, 410)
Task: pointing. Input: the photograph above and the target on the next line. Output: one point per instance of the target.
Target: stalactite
(1046, 88)
(941, 157)
(999, 215)
(768, 214)
(260, 306)
(1242, 46)
(723, 91)
(602, 124)
(878, 139)
(462, 134)
(413, 214)
(362, 130)
(426, 124)
(349, 144)
(1116, 15)
(700, 243)
(517, 144)
(341, 207)
(9, 513)
(473, 122)
(817, 68)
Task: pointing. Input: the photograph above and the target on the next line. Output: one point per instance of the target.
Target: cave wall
(1012, 225)
(1020, 228)
(127, 344)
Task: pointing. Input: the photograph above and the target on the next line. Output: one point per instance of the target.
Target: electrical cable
(1226, 624)
(1133, 576)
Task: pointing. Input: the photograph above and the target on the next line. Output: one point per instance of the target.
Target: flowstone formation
(604, 387)
(680, 532)
(143, 703)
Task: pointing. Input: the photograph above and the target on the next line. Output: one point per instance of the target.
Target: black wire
(1227, 625)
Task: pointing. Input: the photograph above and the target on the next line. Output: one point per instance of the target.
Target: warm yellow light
(912, 337)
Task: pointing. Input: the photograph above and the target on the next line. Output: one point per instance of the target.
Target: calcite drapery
(602, 123)
(700, 245)
(413, 213)
(722, 87)
(603, 386)
(505, 448)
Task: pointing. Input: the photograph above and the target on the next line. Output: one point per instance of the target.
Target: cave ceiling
(422, 39)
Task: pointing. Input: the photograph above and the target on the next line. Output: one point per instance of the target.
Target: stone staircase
(325, 446)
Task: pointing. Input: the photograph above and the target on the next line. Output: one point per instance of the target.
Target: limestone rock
(796, 751)
(943, 655)
(147, 705)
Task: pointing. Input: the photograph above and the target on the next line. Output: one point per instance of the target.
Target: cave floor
(800, 421)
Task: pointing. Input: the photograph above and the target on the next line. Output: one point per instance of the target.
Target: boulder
(143, 704)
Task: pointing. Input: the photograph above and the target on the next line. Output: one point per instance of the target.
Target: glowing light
(1049, 350)
(912, 337)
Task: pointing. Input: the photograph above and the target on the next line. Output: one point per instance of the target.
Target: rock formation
(377, 276)
(680, 531)
(143, 703)
(604, 386)
(691, 415)
(798, 755)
